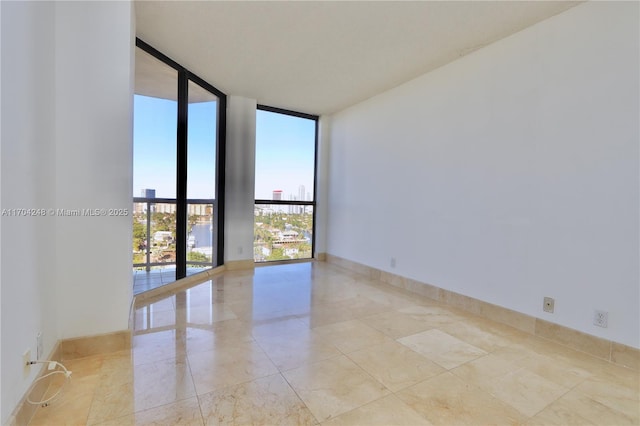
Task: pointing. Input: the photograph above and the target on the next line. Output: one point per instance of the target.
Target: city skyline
(150, 193)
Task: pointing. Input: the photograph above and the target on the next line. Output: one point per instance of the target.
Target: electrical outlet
(26, 359)
(548, 304)
(393, 262)
(240, 250)
(40, 348)
(601, 318)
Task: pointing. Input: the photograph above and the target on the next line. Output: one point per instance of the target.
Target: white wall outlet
(548, 304)
(40, 347)
(26, 359)
(393, 262)
(601, 318)
(240, 249)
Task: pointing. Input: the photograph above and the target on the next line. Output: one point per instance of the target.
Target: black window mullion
(220, 187)
(181, 178)
(315, 188)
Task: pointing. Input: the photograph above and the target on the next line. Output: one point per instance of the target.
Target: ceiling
(320, 57)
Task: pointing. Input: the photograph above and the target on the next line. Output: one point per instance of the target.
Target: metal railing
(154, 232)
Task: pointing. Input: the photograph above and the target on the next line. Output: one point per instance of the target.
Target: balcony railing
(154, 233)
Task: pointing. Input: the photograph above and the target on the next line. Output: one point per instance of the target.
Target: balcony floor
(143, 280)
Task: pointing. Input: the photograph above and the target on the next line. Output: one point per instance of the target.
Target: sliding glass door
(178, 166)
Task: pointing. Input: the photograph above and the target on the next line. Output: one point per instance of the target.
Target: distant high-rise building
(291, 208)
(198, 209)
(301, 193)
(277, 194)
(148, 193)
(163, 208)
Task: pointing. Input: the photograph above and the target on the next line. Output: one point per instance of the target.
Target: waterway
(202, 234)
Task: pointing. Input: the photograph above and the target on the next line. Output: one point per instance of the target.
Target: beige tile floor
(312, 343)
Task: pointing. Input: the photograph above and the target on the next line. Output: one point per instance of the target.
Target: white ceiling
(321, 57)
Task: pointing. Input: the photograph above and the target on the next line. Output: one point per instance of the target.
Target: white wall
(240, 178)
(66, 143)
(0, 207)
(28, 181)
(322, 184)
(508, 175)
(94, 151)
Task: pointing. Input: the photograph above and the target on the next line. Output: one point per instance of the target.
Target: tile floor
(315, 344)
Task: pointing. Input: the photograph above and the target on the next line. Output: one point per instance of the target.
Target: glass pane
(285, 157)
(201, 143)
(282, 232)
(140, 240)
(199, 237)
(163, 233)
(155, 111)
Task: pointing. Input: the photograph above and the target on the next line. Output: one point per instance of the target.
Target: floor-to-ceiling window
(286, 144)
(177, 171)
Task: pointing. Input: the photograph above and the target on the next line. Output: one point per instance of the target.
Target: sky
(154, 145)
(284, 150)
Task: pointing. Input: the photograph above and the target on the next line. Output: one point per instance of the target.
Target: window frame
(312, 203)
(184, 76)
